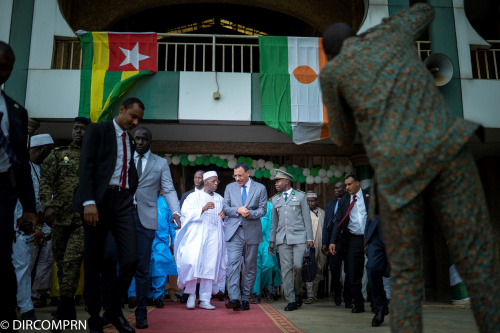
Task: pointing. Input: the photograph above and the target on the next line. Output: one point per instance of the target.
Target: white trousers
(206, 289)
(23, 258)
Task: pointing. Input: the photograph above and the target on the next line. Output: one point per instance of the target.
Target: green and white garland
(263, 169)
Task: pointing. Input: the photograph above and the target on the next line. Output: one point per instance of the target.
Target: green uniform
(290, 230)
(57, 185)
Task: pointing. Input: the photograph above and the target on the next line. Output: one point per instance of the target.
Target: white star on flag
(133, 56)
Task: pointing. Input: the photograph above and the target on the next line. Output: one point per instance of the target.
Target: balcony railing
(229, 53)
(486, 63)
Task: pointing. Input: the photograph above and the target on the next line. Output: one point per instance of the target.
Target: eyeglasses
(214, 181)
(238, 176)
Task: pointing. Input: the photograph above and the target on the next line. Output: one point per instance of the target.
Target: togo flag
(112, 62)
(289, 86)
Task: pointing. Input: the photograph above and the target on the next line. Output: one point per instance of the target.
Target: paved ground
(325, 316)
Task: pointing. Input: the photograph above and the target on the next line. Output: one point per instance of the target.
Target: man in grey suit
(245, 202)
(291, 230)
(154, 174)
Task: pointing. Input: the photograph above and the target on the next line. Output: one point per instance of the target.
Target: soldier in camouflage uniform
(376, 84)
(57, 185)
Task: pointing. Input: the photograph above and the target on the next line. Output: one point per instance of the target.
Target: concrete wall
(196, 102)
(53, 94)
(481, 99)
(47, 23)
(5, 19)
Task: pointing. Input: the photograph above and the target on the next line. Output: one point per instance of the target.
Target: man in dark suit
(335, 261)
(107, 182)
(376, 267)
(198, 185)
(15, 180)
(350, 222)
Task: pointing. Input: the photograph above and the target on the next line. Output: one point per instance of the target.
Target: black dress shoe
(348, 305)
(298, 300)
(357, 310)
(337, 300)
(233, 304)
(184, 298)
(158, 302)
(119, 322)
(245, 305)
(379, 317)
(291, 306)
(256, 300)
(141, 323)
(220, 296)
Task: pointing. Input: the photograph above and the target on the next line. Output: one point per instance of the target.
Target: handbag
(309, 265)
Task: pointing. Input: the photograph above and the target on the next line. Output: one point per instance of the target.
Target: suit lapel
(149, 165)
(237, 193)
(111, 137)
(14, 122)
(366, 199)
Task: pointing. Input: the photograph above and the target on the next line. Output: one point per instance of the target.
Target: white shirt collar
(359, 194)
(288, 192)
(118, 129)
(146, 154)
(247, 184)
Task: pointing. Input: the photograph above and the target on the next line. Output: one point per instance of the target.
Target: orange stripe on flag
(322, 62)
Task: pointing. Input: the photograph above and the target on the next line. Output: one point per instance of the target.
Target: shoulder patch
(279, 193)
(300, 191)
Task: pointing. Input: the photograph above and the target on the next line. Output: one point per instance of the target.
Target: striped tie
(5, 144)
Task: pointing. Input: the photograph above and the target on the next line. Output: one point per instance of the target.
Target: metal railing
(182, 52)
(423, 48)
(220, 53)
(229, 53)
(486, 63)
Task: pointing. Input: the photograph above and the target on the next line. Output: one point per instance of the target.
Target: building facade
(208, 47)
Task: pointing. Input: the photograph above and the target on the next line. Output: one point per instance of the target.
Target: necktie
(139, 166)
(5, 144)
(244, 194)
(123, 175)
(348, 211)
(286, 195)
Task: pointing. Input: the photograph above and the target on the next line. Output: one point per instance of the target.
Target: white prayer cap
(209, 174)
(41, 140)
(311, 194)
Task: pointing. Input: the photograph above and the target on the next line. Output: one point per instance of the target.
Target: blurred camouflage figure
(57, 185)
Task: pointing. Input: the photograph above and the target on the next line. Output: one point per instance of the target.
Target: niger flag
(112, 62)
(290, 91)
